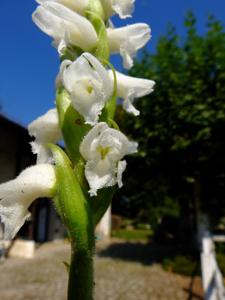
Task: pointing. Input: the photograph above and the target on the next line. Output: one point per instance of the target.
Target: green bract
(73, 206)
(71, 124)
(109, 110)
(102, 51)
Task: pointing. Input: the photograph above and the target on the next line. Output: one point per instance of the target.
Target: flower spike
(86, 98)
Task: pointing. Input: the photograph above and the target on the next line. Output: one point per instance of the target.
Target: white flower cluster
(90, 86)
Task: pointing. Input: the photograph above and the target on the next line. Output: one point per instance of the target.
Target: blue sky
(29, 64)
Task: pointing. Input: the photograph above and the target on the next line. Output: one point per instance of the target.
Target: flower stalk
(82, 180)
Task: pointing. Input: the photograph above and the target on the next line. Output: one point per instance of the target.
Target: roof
(4, 121)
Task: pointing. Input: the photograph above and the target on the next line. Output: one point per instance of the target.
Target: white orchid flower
(128, 40)
(88, 84)
(17, 195)
(65, 26)
(123, 8)
(78, 6)
(103, 148)
(45, 129)
(129, 88)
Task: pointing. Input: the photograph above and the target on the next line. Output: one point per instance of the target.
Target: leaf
(101, 203)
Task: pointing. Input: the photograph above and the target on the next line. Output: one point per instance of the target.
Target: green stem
(81, 274)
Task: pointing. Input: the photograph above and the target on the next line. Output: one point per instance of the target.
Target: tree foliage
(181, 129)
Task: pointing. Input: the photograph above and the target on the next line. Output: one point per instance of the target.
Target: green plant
(182, 264)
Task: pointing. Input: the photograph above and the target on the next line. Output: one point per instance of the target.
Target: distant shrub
(221, 262)
(117, 222)
(181, 264)
(134, 234)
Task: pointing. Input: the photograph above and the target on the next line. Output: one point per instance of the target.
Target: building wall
(15, 151)
(8, 155)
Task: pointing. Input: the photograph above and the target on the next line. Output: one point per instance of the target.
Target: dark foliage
(181, 159)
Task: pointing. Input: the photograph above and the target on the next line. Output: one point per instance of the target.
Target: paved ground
(44, 277)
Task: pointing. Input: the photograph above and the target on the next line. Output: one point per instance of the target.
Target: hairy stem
(81, 277)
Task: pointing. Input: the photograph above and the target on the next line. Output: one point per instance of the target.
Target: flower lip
(103, 148)
(88, 84)
(129, 88)
(128, 40)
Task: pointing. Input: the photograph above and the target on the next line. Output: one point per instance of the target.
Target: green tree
(181, 164)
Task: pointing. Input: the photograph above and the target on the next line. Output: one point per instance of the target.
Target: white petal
(61, 46)
(49, 23)
(128, 40)
(79, 5)
(140, 86)
(123, 8)
(62, 23)
(117, 142)
(43, 153)
(129, 88)
(59, 78)
(75, 71)
(107, 84)
(17, 195)
(128, 106)
(132, 148)
(121, 168)
(80, 28)
(87, 147)
(12, 218)
(100, 174)
(45, 129)
(89, 86)
(107, 6)
(102, 148)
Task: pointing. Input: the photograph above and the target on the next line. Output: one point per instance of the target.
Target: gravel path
(44, 277)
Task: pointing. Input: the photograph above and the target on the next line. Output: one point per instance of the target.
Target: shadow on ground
(145, 253)
(149, 254)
